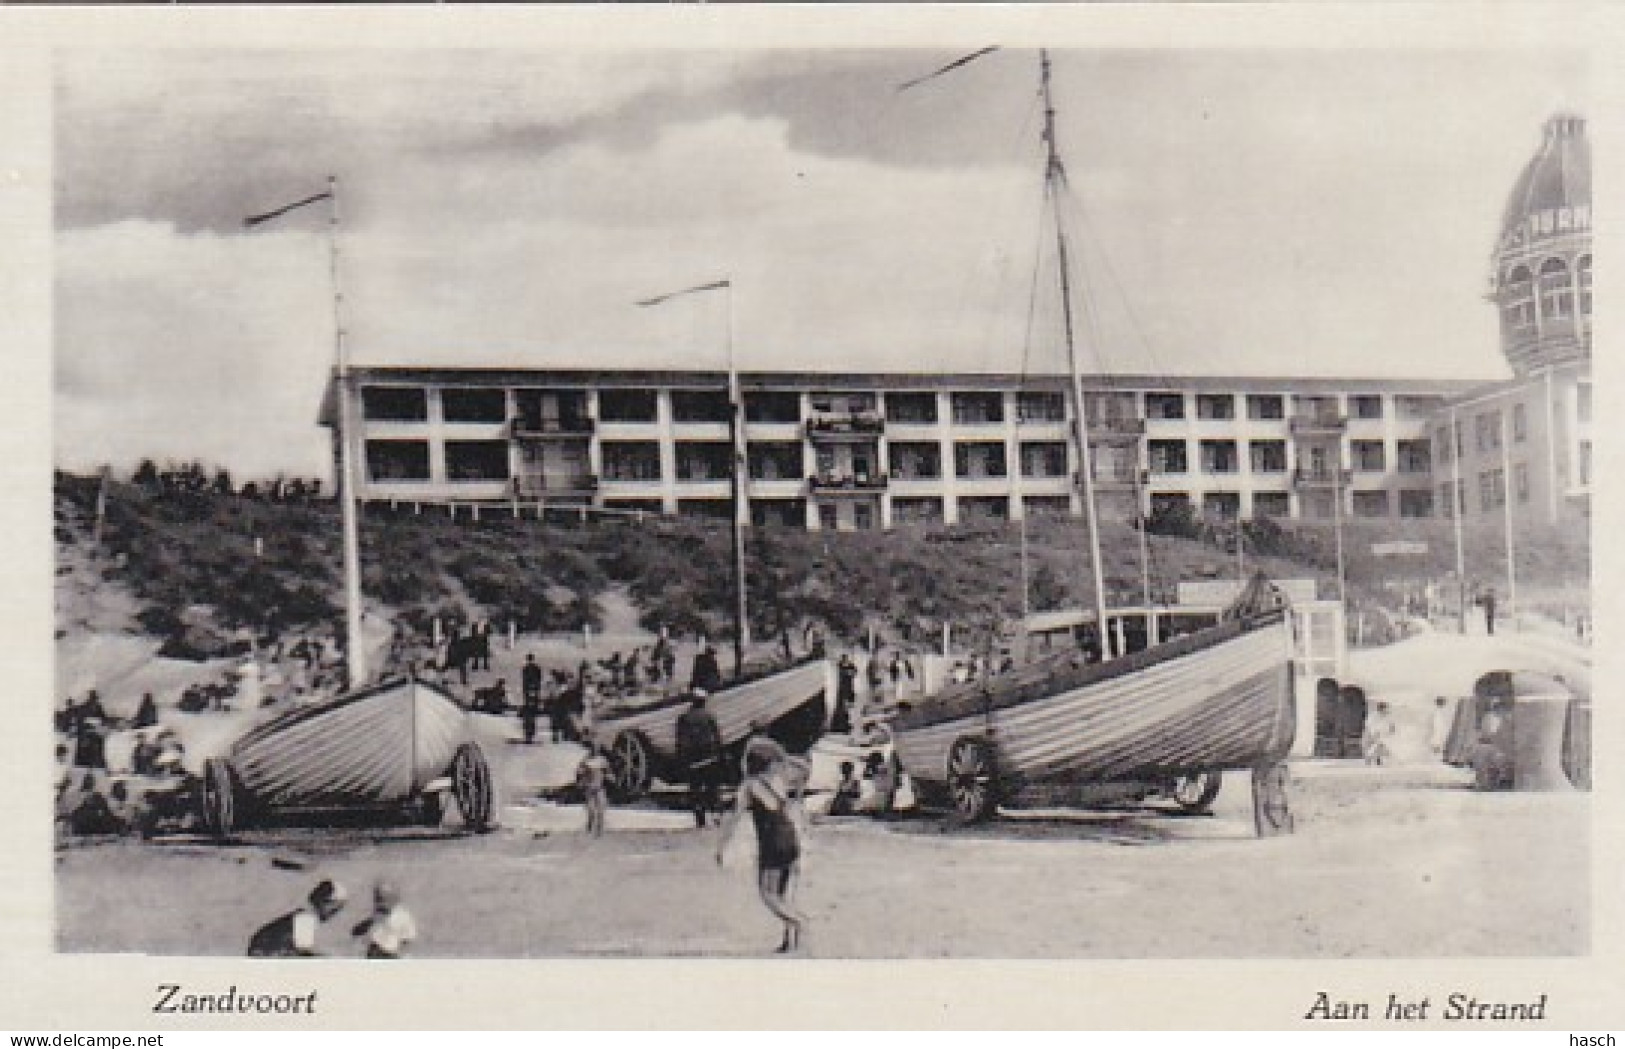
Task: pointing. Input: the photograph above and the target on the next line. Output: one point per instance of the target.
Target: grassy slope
(178, 551)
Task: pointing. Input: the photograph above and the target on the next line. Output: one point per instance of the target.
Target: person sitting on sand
(293, 935)
(389, 929)
(847, 793)
(93, 814)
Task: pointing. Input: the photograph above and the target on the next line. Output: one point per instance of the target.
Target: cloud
(1236, 213)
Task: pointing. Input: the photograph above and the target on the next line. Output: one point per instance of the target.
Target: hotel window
(1035, 407)
(1582, 402)
(1447, 505)
(1367, 406)
(1165, 406)
(1520, 423)
(1489, 431)
(984, 508)
(915, 460)
(979, 459)
(1168, 457)
(631, 460)
(1219, 457)
(1585, 463)
(773, 406)
(1583, 269)
(1416, 503)
(398, 460)
(1556, 290)
(1414, 457)
(828, 517)
(1267, 457)
(911, 407)
(1215, 406)
(976, 409)
(1520, 481)
(916, 510)
(1518, 292)
(1223, 505)
(1265, 406)
(863, 516)
(477, 460)
(1271, 504)
(704, 460)
(1370, 504)
(627, 406)
(1458, 435)
(776, 460)
(474, 405)
(1492, 490)
(700, 406)
(1369, 456)
(1441, 441)
(1111, 407)
(1043, 459)
(396, 404)
(1414, 407)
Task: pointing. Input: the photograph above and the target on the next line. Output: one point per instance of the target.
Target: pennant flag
(255, 220)
(955, 64)
(658, 299)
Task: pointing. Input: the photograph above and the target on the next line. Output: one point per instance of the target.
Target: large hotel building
(869, 451)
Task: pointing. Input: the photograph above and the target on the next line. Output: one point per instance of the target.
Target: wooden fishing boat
(1169, 719)
(397, 747)
(789, 705)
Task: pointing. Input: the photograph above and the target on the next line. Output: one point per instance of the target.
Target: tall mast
(1054, 178)
(354, 649)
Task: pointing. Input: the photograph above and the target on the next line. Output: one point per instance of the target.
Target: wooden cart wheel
(1195, 793)
(629, 766)
(1272, 814)
(218, 799)
(471, 786)
(972, 779)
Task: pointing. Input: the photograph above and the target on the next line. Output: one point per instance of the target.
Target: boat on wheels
(1166, 721)
(393, 751)
(789, 704)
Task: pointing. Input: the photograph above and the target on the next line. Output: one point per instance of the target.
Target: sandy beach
(1392, 862)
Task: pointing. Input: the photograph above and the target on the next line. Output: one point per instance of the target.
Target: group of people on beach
(387, 932)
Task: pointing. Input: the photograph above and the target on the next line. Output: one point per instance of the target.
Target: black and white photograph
(915, 499)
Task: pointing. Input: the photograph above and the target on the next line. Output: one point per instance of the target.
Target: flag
(955, 64)
(255, 220)
(658, 299)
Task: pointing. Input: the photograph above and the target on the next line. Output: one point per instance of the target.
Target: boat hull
(771, 700)
(1218, 699)
(378, 747)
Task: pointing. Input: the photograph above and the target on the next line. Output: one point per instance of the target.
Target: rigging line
(1117, 284)
(1032, 293)
(950, 67)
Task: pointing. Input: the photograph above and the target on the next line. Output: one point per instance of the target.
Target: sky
(1286, 212)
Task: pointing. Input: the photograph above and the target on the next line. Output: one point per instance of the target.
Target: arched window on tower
(1518, 300)
(1582, 269)
(1556, 293)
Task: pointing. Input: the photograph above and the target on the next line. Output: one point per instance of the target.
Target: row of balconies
(868, 425)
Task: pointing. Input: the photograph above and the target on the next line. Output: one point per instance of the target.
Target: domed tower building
(1522, 449)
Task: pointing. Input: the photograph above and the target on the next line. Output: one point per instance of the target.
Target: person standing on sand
(707, 670)
(1439, 728)
(294, 934)
(530, 684)
(593, 778)
(768, 795)
(699, 749)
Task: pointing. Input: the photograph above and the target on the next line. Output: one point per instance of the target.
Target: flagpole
(354, 648)
(1458, 504)
(741, 507)
(1506, 516)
